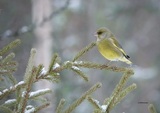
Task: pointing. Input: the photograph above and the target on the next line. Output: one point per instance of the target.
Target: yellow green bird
(109, 47)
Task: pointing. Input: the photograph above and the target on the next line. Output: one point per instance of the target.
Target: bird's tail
(124, 59)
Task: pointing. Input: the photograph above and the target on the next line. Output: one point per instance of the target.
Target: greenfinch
(109, 47)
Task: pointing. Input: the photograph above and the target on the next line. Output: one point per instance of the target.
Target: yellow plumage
(109, 47)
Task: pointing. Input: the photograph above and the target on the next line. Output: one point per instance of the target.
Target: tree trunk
(41, 9)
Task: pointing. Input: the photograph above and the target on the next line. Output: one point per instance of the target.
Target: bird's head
(102, 33)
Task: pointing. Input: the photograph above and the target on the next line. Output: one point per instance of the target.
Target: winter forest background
(67, 26)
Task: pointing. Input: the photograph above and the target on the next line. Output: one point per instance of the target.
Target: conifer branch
(83, 51)
(6, 109)
(29, 77)
(94, 103)
(12, 79)
(38, 70)
(123, 94)
(8, 58)
(6, 72)
(121, 83)
(7, 66)
(79, 72)
(60, 106)
(39, 93)
(41, 107)
(28, 74)
(151, 108)
(9, 47)
(97, 111)
(82, 98)
(86, 64)
(10, 103)
(41, 73)
(53, 61)
(34, 74)
(118, 89)
(106, 101)
(6, 92)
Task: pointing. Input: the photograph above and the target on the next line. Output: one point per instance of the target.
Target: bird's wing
(118, 46)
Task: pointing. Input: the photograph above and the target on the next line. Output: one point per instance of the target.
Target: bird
(109, 46)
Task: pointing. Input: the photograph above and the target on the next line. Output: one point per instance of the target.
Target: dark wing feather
(118, 46)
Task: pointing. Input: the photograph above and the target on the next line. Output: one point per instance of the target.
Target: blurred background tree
(135, 23)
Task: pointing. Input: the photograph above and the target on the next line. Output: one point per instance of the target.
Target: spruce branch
(39, 70)
(106, 101)
(53, 61)
(60, 106)
(9, 47)
(53, 78)
(79, 72)
(8, 58)
(29, 109)
(6, 92)
(39, 93)
(6, 72)
(69, 65)
(42, 74)
(97, 111)
(12, 79)
(7, 66)
(36, 110)
(151, 108)
(94, 103)
(118, 89)
(84, 50)
(29, 77)
(86, 64)
(82, 98)
(10, 103)
(123, 94)
(65, 65)
(28, 74)
(121, 83)
(34, 74)
(5, 109)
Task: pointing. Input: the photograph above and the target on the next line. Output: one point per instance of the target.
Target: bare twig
(30, 28)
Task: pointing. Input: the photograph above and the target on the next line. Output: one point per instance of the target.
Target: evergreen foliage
(23, 89)
(151, 108)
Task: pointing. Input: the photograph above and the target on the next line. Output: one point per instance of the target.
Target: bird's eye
(99, 33)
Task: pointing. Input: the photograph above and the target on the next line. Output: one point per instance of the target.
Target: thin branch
(55, 13)
(29, 79)
(85, 64)
(84, 50)
(41, 107)
(118, 90)
(79, 72)
(82, 98)
(10, 46)
(94, 103)
(30, 28)
(124, 93)
(151, 108)
(60, 106)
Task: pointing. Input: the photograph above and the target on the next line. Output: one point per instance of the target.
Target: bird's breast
(107, 50)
